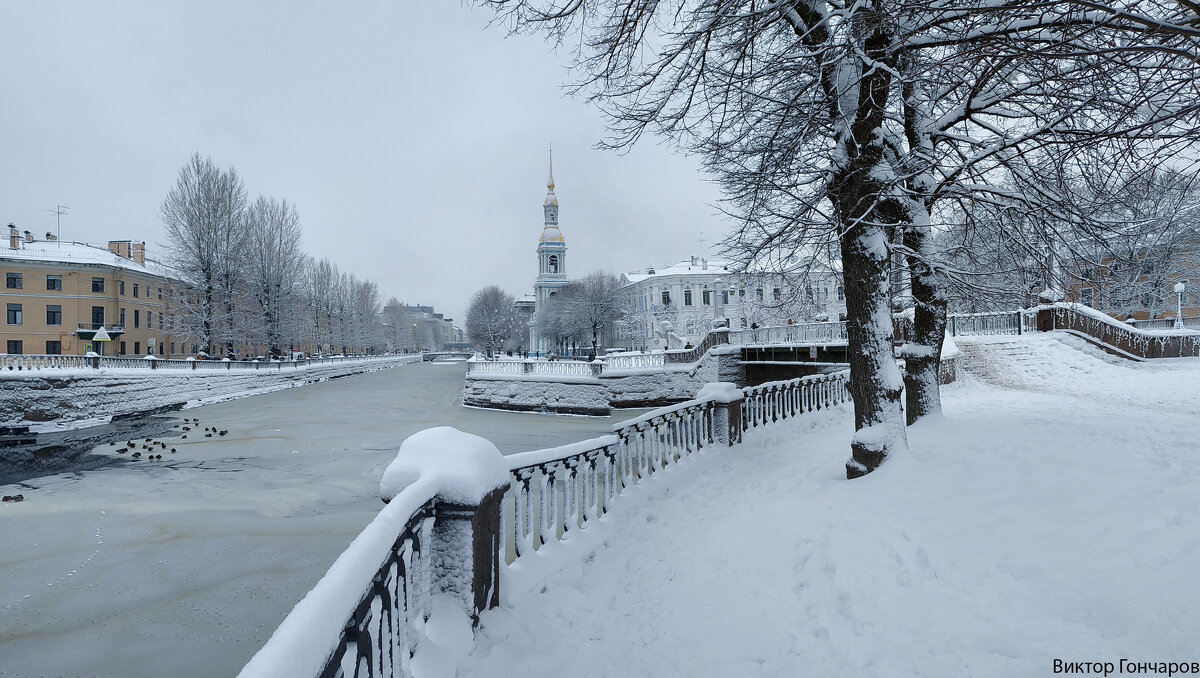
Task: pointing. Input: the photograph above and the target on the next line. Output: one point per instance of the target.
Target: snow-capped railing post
(472, 478)
(727, 411)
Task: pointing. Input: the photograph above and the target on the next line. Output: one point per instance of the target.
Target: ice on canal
(184, 566)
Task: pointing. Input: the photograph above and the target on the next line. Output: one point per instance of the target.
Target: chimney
(28, 237)
(119, 248)
(139, 252)
(14, 237)
(51, 237)
(704, 264)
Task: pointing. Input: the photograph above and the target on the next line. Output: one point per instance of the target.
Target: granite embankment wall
(571, 394)
(54, 398)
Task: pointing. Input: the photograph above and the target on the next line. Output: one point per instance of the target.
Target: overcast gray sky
(411, 137)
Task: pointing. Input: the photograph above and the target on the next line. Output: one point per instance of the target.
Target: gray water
(184, 566)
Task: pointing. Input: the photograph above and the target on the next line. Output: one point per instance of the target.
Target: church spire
(550, 181)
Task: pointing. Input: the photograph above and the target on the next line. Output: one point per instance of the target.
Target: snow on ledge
(463, 467)
(720, 392)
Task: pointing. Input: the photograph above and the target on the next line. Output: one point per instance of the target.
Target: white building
(679, 304)
(552, 264)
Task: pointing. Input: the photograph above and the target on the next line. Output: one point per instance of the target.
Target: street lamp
(1179, 287)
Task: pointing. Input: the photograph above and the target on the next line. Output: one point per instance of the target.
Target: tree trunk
(922, 358)
(875, 381)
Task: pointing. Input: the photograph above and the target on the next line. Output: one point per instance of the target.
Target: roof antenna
(58, 212)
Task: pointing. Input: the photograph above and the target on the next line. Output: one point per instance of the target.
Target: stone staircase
(1029, 361)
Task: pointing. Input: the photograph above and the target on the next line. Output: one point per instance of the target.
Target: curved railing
(1113, 333)
(364, 618)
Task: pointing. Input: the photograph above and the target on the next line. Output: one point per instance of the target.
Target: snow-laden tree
(584, 310)
(202, 215)
(273, 258)
(491, 318)
(850, 124)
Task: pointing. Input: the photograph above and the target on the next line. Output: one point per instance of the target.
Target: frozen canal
(184, 566)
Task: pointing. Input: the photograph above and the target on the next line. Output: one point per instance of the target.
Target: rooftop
(69, 252)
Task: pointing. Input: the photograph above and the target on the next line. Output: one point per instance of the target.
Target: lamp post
(1179, 287)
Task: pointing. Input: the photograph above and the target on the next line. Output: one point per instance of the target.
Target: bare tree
(584, 309)
(490, 318)
(272, 263)
(202, 215)
(832, 123)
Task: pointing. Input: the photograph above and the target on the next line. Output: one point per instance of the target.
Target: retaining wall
(48, 399)
(537, 393)
(566, 394)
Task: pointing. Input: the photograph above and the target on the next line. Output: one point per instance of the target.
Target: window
(135, 289)
(706, 298)
(121, 287)
(758, 294)
(97, 316)
(1147, 267)
(687, 297)
(149, 320)
(97, 284)
(53, 348)
(122, 318)
(160, 293)
(14, 314)
(841, 293)
(725, 297)
(53, 315)
(742, 293)
(666, 297)
(172, 347)
(12, 281)
(160, 321)
(122, 352)
(1086, 296)
(777, 294)
(15, 347)
(54, 282)
(808, 293)
(552, 264)
(137, 348)
(137, 318)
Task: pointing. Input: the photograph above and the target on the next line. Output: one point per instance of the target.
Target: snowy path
(1022, 527)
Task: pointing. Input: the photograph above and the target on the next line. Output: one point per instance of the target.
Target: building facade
(552, 265)
(679, 304)
(65, 297)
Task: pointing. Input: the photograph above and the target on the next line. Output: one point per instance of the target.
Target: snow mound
(720, 392)
(464, 467)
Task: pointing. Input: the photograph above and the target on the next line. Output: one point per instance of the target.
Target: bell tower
(552, 262)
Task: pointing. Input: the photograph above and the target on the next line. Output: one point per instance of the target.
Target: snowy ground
(1052, 517)
(184, 567)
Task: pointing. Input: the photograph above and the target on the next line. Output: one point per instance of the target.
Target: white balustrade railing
(558, 490)
(770, 402)
(808, 333)
(976, 324)
(634, 361)
(364, 618)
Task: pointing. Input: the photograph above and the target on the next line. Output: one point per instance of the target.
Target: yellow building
(58, 295)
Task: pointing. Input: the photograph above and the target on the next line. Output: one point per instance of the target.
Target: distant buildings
(414, 328)
(679, 304)
(58, 296)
